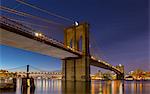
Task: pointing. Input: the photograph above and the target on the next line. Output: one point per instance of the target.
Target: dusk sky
(119, 32)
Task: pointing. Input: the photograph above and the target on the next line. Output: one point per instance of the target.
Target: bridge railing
(35, 33)
(105, 63)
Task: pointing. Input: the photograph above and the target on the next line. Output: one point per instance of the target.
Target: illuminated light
(36, 34)
(73, 49)
(68, 46)
(94, 58)
(99, 60)
(40, 34)
(120, 65)
(76, 23)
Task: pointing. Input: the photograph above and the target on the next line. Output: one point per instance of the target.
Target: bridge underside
(18, 41)
(102, 65)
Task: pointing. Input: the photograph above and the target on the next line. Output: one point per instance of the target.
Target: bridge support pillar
(120, 76)
(76, 69)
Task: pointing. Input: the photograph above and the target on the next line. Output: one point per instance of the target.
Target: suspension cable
(28, 23)
(38, 69)
(43, 10)
(96, 48)
(28, 15)
(16, 67)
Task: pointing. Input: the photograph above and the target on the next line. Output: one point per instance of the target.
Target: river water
(44, 86)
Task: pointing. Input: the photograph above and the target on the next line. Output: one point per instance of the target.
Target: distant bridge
(51, 75)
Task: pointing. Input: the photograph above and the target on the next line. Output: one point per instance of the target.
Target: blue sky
(119, 29)
(13, 57)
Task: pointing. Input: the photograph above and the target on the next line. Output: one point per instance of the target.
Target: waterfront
(45, 86)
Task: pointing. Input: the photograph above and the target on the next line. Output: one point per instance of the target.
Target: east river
(45, 86)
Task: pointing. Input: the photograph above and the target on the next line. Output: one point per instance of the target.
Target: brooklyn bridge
(74, 51)
(76, 62)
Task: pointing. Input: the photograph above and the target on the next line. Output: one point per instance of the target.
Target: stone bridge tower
(77, 69)
(121, 68)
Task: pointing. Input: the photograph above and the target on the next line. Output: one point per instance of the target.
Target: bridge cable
(28, 15)
(16, 68)
(95, 47)
(98, 50)
(41, 70)
(28, 23)
(43, 10)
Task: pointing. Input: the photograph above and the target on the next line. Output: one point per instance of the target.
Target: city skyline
(120, 31)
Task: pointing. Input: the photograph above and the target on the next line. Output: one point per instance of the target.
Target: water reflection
(107, 87)
(45, 86)
(137, 87)
(28, 90)
(70, 87)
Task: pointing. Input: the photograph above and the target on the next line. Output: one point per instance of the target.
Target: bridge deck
(10, 38)
(104, 65)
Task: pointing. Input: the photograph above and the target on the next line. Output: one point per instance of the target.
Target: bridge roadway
(16, 35)
(104, 65)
